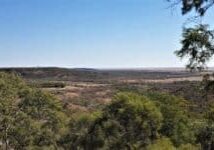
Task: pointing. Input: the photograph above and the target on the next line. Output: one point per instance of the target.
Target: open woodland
(58, 108)
(109, 109)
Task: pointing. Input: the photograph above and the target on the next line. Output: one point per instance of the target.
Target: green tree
(48, 112)
(197, 42)
(29, 118)
(131, 121)
(22, 133)
(79, 124)
(206, 131)
(197, 45)
(176, 123)
(189, 147)
(10, 88)
(161, 144)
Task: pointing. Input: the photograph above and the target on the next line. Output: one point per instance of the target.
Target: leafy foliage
(206, 130)
(28, 117)
(161, 144)
(134, 121)
(197, 45)
(197, 42)
(131, 121)
(200, 6)
(176, 123)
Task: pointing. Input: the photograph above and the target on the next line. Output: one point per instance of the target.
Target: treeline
(31, 119)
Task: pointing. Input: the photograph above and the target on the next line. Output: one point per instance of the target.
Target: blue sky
(89, 33)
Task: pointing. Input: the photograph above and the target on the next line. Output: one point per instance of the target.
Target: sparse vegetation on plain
(133, 116)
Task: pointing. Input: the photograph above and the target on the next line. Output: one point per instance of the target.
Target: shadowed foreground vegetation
(32, 119)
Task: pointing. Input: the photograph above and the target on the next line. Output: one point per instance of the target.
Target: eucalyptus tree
(131, 121)
(197, 42)
(29, 118)
(198, 45)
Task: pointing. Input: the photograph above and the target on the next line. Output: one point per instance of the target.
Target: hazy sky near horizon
(90, 33)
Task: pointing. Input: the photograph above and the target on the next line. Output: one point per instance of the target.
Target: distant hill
(87, 74)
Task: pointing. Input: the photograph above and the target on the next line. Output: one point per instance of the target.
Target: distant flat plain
(86, 89)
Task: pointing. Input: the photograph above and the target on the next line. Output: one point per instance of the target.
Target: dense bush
(134, 121)
(48, 84)
(176, 125)
(29, 118)
(130, 121)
